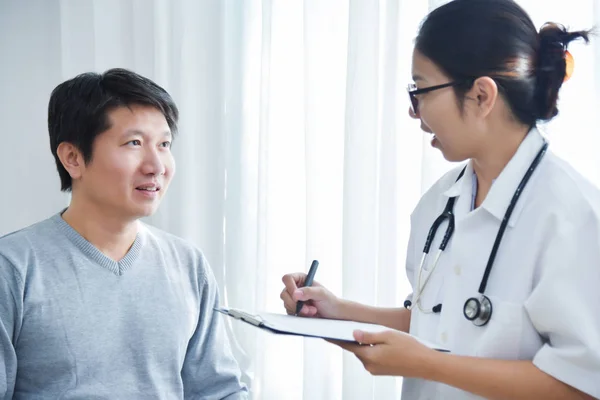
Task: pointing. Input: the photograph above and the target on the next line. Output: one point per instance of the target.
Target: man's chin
(148, 213)
(143, 211)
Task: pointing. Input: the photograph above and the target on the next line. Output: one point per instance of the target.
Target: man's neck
(108, 233)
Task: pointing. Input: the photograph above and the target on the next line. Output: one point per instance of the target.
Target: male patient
(94, 304)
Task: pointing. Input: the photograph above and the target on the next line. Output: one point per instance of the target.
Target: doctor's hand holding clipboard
(319, 302)
(504, 250)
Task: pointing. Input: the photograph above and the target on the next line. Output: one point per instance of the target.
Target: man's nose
(153, 164)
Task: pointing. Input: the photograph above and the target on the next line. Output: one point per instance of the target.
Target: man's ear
(485, 94)
(71, 159)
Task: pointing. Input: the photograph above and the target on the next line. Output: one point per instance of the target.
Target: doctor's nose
(412, 114)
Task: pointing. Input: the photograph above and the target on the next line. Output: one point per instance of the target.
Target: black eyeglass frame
(413, 92)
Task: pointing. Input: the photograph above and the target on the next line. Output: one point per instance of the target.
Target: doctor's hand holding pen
(319, 302)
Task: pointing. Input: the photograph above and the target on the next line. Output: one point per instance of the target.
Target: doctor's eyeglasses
(413, 92)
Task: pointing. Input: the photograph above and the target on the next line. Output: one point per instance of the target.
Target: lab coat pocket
(501, 337)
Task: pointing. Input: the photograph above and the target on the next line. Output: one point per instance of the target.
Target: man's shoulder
(27, 238)
(178, 246)
(175, 250)
(166, 238)
(18, 249)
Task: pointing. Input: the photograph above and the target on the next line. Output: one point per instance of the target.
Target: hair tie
(570, 65)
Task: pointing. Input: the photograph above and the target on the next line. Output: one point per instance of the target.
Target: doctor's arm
(10, 317)
(398, 354)
(564, 308)
(320, 302)
(499, 379)
(395, 318)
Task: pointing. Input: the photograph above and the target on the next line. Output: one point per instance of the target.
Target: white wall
(26, 80)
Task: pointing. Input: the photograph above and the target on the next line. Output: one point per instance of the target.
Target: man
(94, 303)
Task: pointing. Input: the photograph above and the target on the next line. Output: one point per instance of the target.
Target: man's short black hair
(78, 109)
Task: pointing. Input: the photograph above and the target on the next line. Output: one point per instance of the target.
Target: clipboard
(311, 327)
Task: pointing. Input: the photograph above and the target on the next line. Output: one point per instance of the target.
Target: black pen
(308, 282)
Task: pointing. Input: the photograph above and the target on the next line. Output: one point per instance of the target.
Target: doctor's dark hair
(79, 109)
(468, 39)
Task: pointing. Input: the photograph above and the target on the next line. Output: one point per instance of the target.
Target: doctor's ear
(484, 93)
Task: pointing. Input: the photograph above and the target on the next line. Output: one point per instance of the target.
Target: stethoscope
(476, 309)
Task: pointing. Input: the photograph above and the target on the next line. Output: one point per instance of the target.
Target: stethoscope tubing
(448, 214)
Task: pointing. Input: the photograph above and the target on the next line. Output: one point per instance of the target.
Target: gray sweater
(75, 324)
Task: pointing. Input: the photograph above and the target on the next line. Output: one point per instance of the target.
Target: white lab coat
(545, 281)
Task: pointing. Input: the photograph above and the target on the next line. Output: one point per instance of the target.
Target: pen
(308, 282)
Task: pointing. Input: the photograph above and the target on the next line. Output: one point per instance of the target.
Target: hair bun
(552, 67)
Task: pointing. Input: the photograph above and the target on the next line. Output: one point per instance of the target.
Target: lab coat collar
(464, 184)
(503, 188)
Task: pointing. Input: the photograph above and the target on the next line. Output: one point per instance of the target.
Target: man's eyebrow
(130, 132)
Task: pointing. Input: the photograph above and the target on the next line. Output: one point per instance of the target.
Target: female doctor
(504, 251)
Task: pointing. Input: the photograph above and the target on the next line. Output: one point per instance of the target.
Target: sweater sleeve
(210, 370)
(11, 310)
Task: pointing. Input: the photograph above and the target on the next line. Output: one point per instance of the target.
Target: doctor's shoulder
(563, 190)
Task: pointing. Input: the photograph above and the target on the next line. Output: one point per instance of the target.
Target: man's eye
(166, 144)
(134, 143)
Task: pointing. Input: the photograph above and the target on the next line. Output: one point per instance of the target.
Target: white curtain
(294, 145)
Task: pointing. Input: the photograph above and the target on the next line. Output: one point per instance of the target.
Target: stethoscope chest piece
(478, 310)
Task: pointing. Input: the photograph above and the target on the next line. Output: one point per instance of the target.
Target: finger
(287, 299)
(349, 346)
(306, 311)
(310, 293)
(290, 306)
(370, 337)
(291, 281)
(288, 303)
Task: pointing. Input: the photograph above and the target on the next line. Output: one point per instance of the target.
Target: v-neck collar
(116, 267)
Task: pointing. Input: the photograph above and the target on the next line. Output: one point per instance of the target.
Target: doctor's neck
(495, 153)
